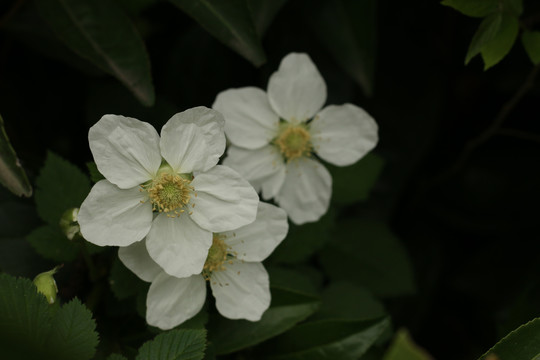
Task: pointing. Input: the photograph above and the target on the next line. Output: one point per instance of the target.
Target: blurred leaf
(303, 241)
(521, 344)
(16, 219)
(136, 6)
(49, 242)
(328, 339)
(354, 183)
(197, 322)
(286, 310)
(60, 186)
(497, 48)
(95, 175)
(116, 357)
(103, 34)
(515, 7)
(368, 254)
(175, 344)
(488, 29)
(291, 280)
(263, 12)
(12, 175)
(73, 331)
(531, 43)
(125, 283)
(230, 22)
(348, 30)
(474, 8)
(403, 348)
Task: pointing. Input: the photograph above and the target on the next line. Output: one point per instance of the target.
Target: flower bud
(69, 224)
(46, 285)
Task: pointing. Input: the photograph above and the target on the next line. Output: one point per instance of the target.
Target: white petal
(193, 140)
(136, 258)
(264, 168)
(305, 194)
(242, 290)
(178, 245)
(224, 201)
(171, 301)
(297, 90)
(113, 216)
(256, 241)
(342, 135)
(250, 121)
(126, 150)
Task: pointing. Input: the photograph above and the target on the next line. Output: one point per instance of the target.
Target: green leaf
(50, 243)
(263, 12)
(12, 175)
(521, 344)
(95, 175)
(354, 183)
(368, 254)
(488, 29)
(73, 331)
(328, 339)
(230, 22)
(403, 348)
(498, 47)
(347, 29)
(175, 344)
(60, 186)
(116, 357)
(99, 31)
(474, 8)
(514, 7)
(291, 280)
(125, 283)
(287, 310)
(531, 43)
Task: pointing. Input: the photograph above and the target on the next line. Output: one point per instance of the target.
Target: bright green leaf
(531, 43)
(474, 8)
(354, 183)
(12, 175)
(99, 31)
(263, 12)
(230, 22)
(328, 339)
(50, 243)
(403, 348)
(488, 29)
(175, 344)
(521, 344)
(368, 254)
(497, 48)
(60, 186)
(73, 332)
(286, 310)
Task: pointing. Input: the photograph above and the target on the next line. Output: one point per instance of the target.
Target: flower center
(170, 193)
(217, 256)
(294, 141)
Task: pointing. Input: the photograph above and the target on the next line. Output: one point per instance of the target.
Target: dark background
(468, 216)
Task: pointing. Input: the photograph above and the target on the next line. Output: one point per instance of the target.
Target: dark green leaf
(101, 32)
(474, 8)
(328, 339)
(514, 7)
(497, 48)
(354, 183)
(263, 12)
(116, 357)
(368, 254)
(230, 22)
(403, 348)
(348, 30)
(73, 332)
(12, 175)
(175, 344)
(531, 43)
(287, 309)
(521, 344)
(125, 283)
(60, 186)
(95, 175)
(291, 280)
(488, 29)
(50, 243)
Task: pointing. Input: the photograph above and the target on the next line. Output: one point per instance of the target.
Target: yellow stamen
(294, 141)
(169, 193)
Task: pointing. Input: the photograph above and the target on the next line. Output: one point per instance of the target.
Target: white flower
(274, 140)
(175, 178)
(233, 268)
